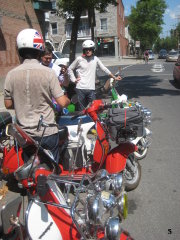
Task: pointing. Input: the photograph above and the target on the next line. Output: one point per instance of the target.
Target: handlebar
(77, 115)
(41, 123)
(93, 108)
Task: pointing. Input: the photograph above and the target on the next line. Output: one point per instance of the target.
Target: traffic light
(98, 41)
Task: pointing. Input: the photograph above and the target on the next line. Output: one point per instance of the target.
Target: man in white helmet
(29, 89)
(85, 67)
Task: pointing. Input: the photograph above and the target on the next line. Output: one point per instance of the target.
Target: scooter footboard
(116, 159)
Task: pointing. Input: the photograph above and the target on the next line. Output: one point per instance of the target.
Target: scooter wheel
(132, 174)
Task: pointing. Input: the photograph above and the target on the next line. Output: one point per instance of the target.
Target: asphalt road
(154, 207)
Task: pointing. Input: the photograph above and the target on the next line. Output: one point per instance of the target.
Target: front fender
(116, 159)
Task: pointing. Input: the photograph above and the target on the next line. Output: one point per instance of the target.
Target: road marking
(121, 69)
(158, 67)
(128, 66)
(162, 74)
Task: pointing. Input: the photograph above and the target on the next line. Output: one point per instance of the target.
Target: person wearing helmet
(86, 66)
(29, 89)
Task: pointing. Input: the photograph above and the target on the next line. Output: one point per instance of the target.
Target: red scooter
(63, 209)
(115, 161)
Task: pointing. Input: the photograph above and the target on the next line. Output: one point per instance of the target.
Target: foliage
(167, 43)
(74, 8)
(170, 42)
(145, 21)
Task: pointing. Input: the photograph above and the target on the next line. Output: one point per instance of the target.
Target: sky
(171, 16)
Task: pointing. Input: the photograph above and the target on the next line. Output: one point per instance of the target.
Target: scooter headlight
(94, 209)
(122, 204)
(112, 229)
(117, 184)
(108, 199)
(138, 105)
(101, 174)
(101, 179)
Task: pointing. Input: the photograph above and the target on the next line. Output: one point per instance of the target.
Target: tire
(175, 80)
(142, 151)
(132, 173)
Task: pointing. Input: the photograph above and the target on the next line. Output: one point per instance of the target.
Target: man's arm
(71, 69)
(8, 103)
(106, 70)
(63, 101)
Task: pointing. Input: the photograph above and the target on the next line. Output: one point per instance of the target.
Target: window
(104, 24)
(54, 28)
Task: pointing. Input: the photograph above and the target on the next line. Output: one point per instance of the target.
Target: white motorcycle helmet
(88, 44)
(30, 39)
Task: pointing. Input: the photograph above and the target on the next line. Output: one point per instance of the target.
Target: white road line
(162, 74)
(157, 68)
(125, 68)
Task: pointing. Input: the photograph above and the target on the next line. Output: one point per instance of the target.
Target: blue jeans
(85, 97)
(51, 143)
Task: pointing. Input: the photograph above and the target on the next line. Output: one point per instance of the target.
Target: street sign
(137, 45)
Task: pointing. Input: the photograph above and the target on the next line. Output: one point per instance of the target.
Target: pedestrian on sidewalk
(85, 67)
(29, 89)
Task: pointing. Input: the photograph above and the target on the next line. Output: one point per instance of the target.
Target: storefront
(105, 46)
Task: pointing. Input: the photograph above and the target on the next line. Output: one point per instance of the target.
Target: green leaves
(145, 21)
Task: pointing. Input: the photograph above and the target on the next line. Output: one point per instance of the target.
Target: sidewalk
(127, 60)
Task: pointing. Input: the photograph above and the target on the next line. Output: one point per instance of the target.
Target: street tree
(73, 9)
(167, 43)
(145, 21)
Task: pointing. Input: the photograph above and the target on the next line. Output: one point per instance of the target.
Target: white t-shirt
(56, 68)
(86, 68)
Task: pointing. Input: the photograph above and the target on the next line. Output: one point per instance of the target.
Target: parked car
(172, 56)
(176, 71)
(60, 58)
(162, 54)
(151, 55)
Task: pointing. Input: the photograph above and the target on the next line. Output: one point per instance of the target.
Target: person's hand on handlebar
(116, 78)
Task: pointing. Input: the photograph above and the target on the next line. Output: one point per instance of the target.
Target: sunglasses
(88, 49)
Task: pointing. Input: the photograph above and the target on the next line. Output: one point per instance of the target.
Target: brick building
(109, 31)
(15, 16)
